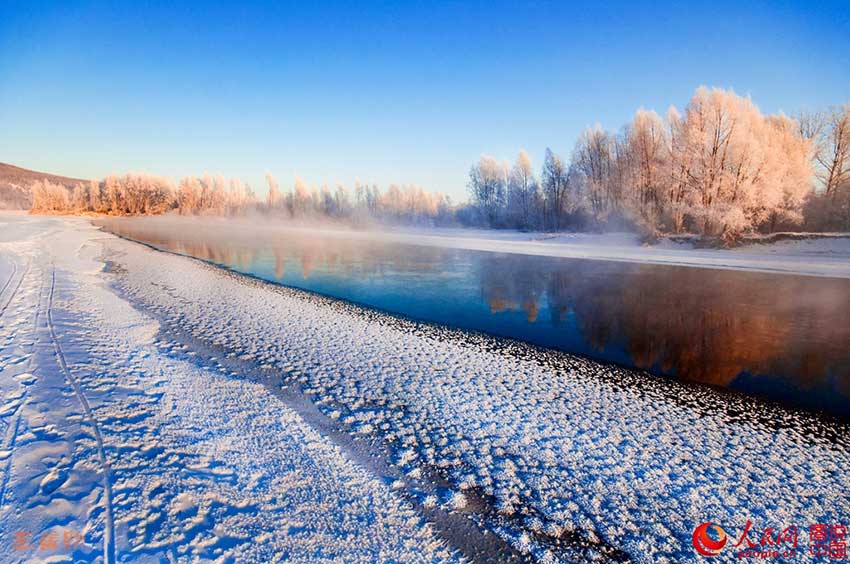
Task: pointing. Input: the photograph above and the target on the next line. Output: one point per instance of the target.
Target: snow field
(199, 466)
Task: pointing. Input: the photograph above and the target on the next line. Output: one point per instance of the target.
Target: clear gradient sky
(406, 92)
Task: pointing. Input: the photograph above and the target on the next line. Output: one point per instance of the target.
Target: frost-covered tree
(740, 165)
(240, 198)
(833, 155)
(48, 197)
(95, 197)
(273, 198)
(112, 194)
(648, 146)
(79, 199)
(342, 201)
(555, 183)
(488, 188)
(392, 202)
(189, 195)
(523, 194)
(593, 160)
(788, 174)
(679, 165)
(829, 207)
(299, 201)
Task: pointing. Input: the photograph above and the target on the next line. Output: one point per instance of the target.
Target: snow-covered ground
(154, 458)
(169, 410)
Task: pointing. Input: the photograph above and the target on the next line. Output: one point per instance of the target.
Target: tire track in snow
(12, 436)
(11, 276)
(109, 553)
(15, 290)
(8, 470)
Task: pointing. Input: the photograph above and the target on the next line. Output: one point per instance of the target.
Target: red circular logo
(706, 545)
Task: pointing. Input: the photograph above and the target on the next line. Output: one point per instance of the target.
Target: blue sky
(404, 92)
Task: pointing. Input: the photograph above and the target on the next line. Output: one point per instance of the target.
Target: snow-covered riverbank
(817, 256)
(812, 257)
(168, 409)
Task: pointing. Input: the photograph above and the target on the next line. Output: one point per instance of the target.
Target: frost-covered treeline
(131, 194)
(407, 203)
(720, 167)
(145, 194)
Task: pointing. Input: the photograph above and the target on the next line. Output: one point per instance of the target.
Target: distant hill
(16, 184)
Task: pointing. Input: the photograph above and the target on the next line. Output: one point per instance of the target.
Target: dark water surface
(782, 337)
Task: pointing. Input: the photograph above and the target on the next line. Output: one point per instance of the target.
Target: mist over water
(781, 337)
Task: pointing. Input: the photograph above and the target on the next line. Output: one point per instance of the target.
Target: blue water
(781, 337)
